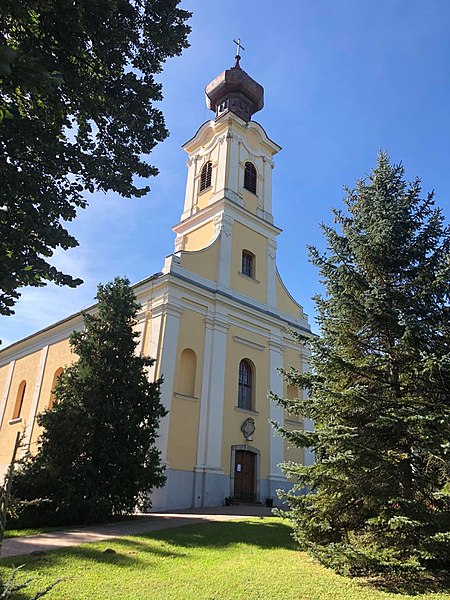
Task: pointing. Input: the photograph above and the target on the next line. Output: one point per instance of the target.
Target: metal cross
(239, 46)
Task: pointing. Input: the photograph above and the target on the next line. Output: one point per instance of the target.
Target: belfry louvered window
(250, 177)
(245, 385)
(205, 177)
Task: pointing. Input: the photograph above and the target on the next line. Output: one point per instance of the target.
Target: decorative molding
(186, 396)
(276, 345)
(246, 410)
(272, 249)
(189, 304)
(241, 340)
(179, 243)
(248, 428)
(233, 207)
(217, 323)
(231, 298)
(249, 278)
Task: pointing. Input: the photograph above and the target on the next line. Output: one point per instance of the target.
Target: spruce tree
(376, 499)
(97, 457)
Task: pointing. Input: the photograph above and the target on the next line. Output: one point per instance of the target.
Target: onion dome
(235, 91)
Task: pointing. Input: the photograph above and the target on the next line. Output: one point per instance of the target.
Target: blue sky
(342, 79)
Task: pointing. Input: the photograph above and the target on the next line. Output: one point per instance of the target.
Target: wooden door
(244, 476)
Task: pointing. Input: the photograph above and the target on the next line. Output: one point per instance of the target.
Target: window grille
(205, 177)
(250, 177)
(245, 385)
(248, 264)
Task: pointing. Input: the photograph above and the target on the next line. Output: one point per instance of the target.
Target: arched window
(250, 177)
(205, 177)
(188, 370)
(245, 387)
(58, 372)
(248, 263)
(19, 400)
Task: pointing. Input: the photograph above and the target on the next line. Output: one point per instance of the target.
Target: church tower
(225, 255)
(217, 320)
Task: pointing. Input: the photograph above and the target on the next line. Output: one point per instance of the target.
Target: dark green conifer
(97, 457)
(379, 390)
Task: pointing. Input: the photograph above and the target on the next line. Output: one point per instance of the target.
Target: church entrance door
(244, 476)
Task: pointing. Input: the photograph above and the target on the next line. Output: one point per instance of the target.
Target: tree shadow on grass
(116, 552)
(212, 535)
(220, 534)
(414, 585)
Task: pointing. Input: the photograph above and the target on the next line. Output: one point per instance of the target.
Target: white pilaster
(276, 412)
(6, 390)
(204, 400)
(29, 425)
(224, 262)
(216, 394)
(232, 180)
(190, 197)
(268, 167)
(166, 368)
(272, 274)
(209, 453)
(222, 163)
(140, 328)
(155, 311)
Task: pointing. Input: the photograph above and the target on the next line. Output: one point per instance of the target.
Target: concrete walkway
(45, 542)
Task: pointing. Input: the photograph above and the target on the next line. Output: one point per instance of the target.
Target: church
(217, 319)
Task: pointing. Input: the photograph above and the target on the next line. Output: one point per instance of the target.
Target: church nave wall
(185, 408)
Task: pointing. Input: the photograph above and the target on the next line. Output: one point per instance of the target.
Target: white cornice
(240, 340)
(229, 207)
(239, 303)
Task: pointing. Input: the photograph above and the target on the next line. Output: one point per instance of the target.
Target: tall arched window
(250, 177)
(248, 263)
(245, 387)
(205, 177)
(58, 372)
(19, 400)
(188, 370)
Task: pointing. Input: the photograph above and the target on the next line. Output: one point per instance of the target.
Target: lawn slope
(252, 560)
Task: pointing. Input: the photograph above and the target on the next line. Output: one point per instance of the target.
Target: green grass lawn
(251, 560)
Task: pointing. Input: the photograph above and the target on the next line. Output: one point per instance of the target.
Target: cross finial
(239, 47)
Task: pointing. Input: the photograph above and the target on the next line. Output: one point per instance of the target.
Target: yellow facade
(184, 419)
(200, 238)
(216, 325)
(243, 238)
(203, 262)
(239, 348)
